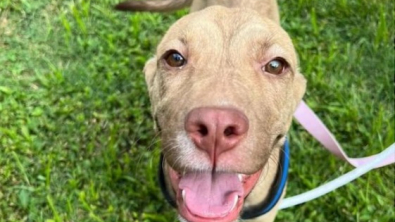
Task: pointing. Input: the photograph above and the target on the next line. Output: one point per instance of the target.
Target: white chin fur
(187, 150)
(181, 219)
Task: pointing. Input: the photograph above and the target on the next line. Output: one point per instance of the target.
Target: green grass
(76, 138)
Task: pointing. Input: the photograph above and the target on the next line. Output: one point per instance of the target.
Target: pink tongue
(210, 195)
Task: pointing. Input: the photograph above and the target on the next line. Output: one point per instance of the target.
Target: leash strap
(310, 121)
(336, 183)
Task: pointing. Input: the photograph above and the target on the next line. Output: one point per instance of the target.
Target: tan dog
(224, 85)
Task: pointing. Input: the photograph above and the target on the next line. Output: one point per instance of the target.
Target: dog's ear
(300, 88)
(149, 71)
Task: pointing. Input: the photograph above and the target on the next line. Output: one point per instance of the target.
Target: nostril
(230, 131)
(202, 129)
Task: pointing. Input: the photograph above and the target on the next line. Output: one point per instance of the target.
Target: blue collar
(266, 205)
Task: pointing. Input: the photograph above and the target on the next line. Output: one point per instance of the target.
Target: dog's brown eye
(276, 66)
(174, 59)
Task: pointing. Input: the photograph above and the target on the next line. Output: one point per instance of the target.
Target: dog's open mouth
(208, 196)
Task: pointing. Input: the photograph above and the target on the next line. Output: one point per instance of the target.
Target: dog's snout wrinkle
(216, 130)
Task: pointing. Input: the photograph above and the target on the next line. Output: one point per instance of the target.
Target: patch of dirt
(5, 28)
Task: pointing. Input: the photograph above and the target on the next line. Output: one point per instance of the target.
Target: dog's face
(223, 86)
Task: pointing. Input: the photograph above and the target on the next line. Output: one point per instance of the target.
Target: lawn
(76, 135)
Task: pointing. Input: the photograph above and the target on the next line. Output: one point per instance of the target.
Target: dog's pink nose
(216, 130)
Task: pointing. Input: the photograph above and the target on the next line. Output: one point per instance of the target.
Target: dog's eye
(174, 59)
(276, 66)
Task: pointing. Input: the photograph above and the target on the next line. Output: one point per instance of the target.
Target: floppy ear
(153, 87)
(299, 88)
(149, 71)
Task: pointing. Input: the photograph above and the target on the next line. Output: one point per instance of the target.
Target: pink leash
(310, 121)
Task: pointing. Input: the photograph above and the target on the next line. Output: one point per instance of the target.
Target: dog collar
(260, 209)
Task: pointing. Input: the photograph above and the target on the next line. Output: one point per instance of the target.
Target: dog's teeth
(183, 194)
(240, 177)
(235, 202)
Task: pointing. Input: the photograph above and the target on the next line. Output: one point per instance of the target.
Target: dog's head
(224, 85)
